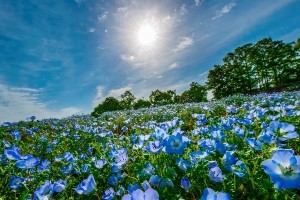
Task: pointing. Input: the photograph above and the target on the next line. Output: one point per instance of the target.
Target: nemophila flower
(69, 157)
(124, 129)
(67, 169)
(58, 186)
(195, 156)
(131, 188)
(86, 186)
(120, 191)
(85, 168)
(13, 153)
(149, 169)
(113, 180)
(239, 169)
(183, 164)
(32, 118)
(215, 174)
(43, 191)
(283, 169)
(121, 157)
(160, 133)
(16, 182)
(239, 131)
(175, 144)
(282, 130)
(185, 183)
(210, 194)
(154, 146)
(229, 159)
(109, 194)
(44, 165)
(138, 194)
(254, 144)
(160, 182)
(28, 163)
(231, 109)
(16, 135)
(100, 163)
(217, 135)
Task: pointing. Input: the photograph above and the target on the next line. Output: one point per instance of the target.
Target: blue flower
(284, 131)
(183, 164)
(160, 182)
(16, 135)
(44, 165)
(154, 146)
(149, 169)
(67, 169)
(58, 186)
(138, 194)
(175, 144)
(28, 163)
(210, 194)
(185, 183)
(100, 163)
(239, 168)
(109, 194)
(254, 144)
(85, 168)
(283, 169)
(86, 186)
(43, 191)
(13, 153)
(16, 182)
(113, 180)
(195, 156)
(215, 174)
(121, 157)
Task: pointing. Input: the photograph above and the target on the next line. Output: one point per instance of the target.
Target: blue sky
(63, 57)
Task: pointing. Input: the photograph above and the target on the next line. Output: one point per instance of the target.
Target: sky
(63, 57)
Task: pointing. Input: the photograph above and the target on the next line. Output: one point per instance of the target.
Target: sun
(146, 35)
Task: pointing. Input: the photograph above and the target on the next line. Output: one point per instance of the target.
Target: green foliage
(264, 66)
(196, 93)
(109, 104)
(141, 103)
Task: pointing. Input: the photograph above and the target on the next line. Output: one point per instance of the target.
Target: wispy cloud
(127, 58)
(101, 94)
(184, 43)
(174, 65)
(103, 17)
(17, 103)
(183, 9)
(166, 19)
(198, 2)
(226, 9)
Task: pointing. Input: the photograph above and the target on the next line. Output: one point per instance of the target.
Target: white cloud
(174, 65)
(166, 19)
(184, 43)
(92, 30)
(198, 2)
(100, 94)
(183, 9)
(103, 16)
(17, 103)
(226, 9)
(159, 77)
(127, 58)
(79, 1)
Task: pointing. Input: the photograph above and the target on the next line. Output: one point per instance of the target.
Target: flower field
(237, 148)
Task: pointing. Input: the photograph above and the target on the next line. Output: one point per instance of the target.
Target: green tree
(127, 100)
(196, 93)
(109, 104)
(141, 103)
(159, 98)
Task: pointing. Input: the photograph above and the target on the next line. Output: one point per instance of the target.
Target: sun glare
(147, 35)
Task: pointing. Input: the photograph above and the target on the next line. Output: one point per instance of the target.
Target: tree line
(261, 67)
(195, 93)
(264, 66)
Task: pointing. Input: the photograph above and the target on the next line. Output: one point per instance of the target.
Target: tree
(109, 104)
(263, 66)
(159, 98)
(196, 93)
(141, 103)
(127, 100)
